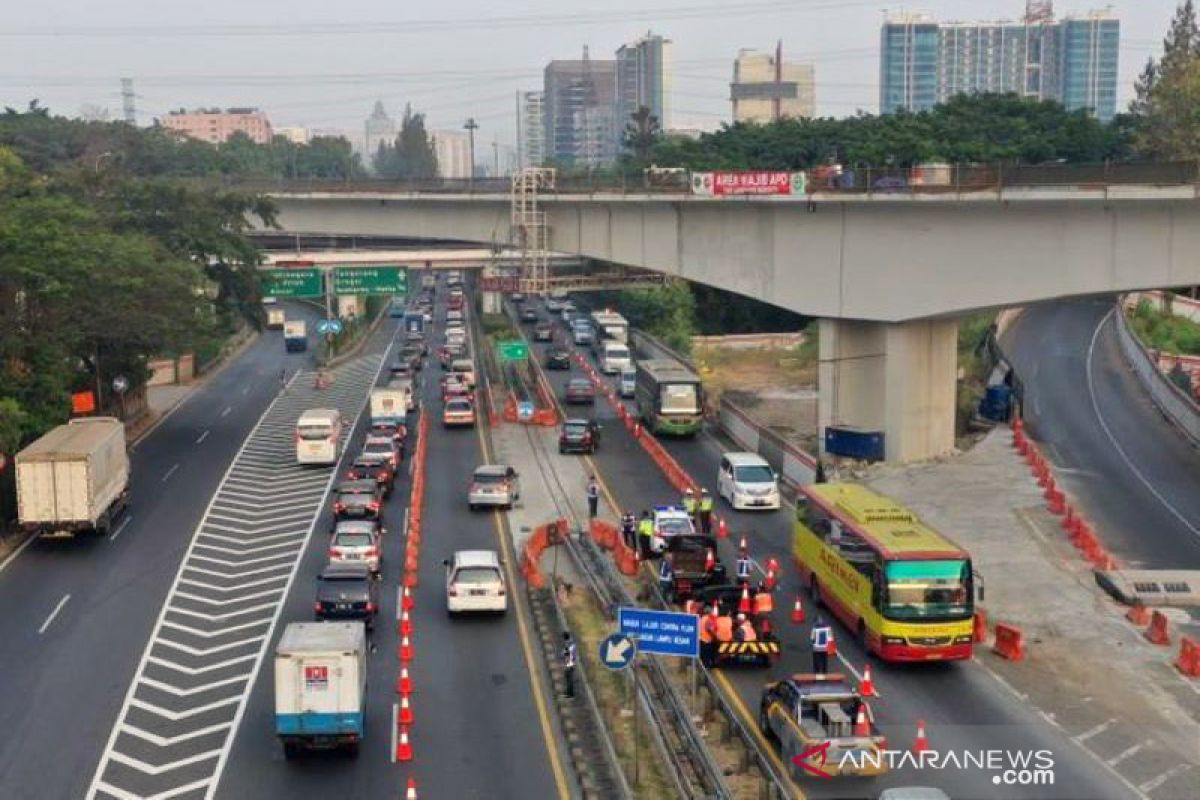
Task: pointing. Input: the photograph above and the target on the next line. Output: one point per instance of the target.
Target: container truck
(75, 479)
(390, 406)
(295, 335)
(275, 317)
(321, 686)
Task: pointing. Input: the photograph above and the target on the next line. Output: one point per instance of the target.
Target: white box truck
(74, 479)
(275, 317)
(295, 335)
(321, 686)
(390, 406)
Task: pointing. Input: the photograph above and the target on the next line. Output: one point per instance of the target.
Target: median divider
(1189, 657)
(1009, 642)
(1157, 632)
(404, 622)
(543, 536)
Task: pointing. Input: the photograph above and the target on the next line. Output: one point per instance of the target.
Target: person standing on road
(645, 534)
(629, 530)
(689, 503)
(706, 508)
(820, 637)
(744, 568)
(568, 663)
(593, 497)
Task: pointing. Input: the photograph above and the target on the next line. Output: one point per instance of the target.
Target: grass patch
(974, 365)
(1161, 330)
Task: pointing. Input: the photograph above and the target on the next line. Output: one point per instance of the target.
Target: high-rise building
(294, 135)
(378, 129)
(216, 126)
(579, 109)
(453, 151)
(1073, 60)
(531, 136)
(766, 88)
(644, 79)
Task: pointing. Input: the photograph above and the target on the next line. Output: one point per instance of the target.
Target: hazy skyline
(324, 67)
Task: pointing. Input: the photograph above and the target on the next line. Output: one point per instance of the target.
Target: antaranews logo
(1008, 767)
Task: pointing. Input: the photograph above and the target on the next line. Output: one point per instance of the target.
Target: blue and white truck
(295, 336)
(321, 686)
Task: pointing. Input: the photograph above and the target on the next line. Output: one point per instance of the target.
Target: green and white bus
(670, 397)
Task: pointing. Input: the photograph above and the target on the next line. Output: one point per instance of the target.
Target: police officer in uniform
(820, 636)
(629, 530)
(593, 497)
(645, 534)
(568, 662)
(743, 568)
(689, 503)
(706, 507)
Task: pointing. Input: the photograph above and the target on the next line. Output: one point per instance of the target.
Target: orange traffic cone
(742, 544)
(710, 561)
(411, 792)
(867, 687)
(773, 565)
(922, 742)
(744, 603)
(861, 726)
(403, 748)
(406, 626)
(722, 528)
(406, 651)
(406, 714)
(407, 602)
(798, 611)
(765, 627)
(404, 684)
(770, 581)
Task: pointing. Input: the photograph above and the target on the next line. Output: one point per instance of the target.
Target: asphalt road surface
(1134, 472)
(964, 706)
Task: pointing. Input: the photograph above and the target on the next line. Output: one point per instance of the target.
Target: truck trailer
(321, 686)
(295, 335)
(75, 479)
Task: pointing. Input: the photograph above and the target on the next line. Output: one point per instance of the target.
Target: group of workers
(699, 508)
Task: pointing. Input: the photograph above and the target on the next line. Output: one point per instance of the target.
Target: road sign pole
(637, 749)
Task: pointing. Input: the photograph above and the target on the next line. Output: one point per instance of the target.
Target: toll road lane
(1134, 475)
(962, 704)
(117, 586)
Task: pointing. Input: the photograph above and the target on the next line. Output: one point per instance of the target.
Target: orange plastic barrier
(979, 629)
(1009, 642)
(1157, 632)
(1138, 614)
(605, 534)
(1189, 657)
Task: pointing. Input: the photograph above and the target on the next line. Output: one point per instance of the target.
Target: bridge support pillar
(899, 378)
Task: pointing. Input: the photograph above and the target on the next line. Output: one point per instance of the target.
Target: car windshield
(616, 351)
(674, 526)
(680, 398)
(576, 428)
(928, 589)
(352, 540)
(343, 577)
(580, 386)
(458, 406)
(754, 473)
(477, 575)
(354, 498)
(490, 479)
(381, 448)
(314, 432)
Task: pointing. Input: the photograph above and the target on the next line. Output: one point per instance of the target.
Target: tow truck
(694, 562)
(816, 716)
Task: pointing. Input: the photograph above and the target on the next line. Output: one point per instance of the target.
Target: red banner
(721, 184)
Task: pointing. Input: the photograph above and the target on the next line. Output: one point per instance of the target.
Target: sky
(323, 64)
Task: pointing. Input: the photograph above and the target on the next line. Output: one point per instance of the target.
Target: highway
(73, 674)
(963, 705)
(1135, 475)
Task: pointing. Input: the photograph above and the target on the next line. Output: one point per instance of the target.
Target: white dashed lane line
(54, 613)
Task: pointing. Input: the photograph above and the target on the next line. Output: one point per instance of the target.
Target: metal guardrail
(922, 179)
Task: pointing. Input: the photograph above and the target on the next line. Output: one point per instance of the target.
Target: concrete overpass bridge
(887, 273)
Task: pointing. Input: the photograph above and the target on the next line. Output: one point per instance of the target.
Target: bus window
(928, 590)
(856, 551)
(818, 521)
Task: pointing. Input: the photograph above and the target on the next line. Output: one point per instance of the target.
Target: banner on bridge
(723, 184)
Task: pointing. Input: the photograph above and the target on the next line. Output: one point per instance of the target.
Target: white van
(319, 436)
(475, 582)
(628, 383)
(466, 368)
(746, 480)
(614, 357)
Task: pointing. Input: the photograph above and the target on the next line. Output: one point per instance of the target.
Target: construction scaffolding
(530, 232)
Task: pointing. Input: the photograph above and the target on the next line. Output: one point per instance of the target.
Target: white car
(357, 541)
(495, 485)
(670, 521)
(475, 582)
(746, 481)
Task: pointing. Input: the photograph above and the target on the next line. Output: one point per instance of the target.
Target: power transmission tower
(128, 101)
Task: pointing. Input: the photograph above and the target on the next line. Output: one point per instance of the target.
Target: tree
(412, 155)
(1182, 43)
(1170, 127)
(668, 312)
(1143, 88)
(642, 131)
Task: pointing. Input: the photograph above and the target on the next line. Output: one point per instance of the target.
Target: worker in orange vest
(708, 640)
(763, 602)
(745, 630)
(725, 628)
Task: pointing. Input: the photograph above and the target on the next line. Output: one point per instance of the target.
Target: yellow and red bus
(906, 590)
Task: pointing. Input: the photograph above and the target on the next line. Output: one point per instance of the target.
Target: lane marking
(535, 675)
(1124, 754)
(203, 436)
(1096, 731)
(121, 527)
(226, 411)
(1159, 780)
(12, 556)
(1116, 445)
(395, 716)
(54, 614)
(170, 472)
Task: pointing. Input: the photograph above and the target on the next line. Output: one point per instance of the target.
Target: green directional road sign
(513, 350)
(292, 283)
(370, 280)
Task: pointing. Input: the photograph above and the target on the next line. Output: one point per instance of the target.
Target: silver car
(357, 542)
(494, 485)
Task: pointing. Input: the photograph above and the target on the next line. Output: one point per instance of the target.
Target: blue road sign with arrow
(329, 326)
(617, 651)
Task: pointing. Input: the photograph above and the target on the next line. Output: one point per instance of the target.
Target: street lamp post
(471, 125)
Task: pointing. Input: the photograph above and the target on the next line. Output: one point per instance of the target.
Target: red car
(580, 391)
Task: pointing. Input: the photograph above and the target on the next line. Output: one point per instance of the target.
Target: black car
(544, 332)
(347, 591)
(360, 499)
(373, 469)
(579, 436)
(529, 315)
(579, 392)
(403, 368)
(414, 354)
(557, 358)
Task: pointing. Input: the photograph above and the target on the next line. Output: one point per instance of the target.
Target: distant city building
(1072, 60)
(531, 119)
(643, 79)
(294, 135)
(378, 129)
(579, 111)
(766, 88)
(216, 126)
(453, 150)
(686, 133)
